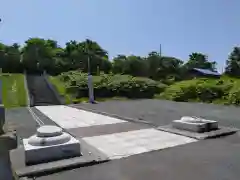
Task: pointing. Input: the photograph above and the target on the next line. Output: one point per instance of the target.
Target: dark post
(2, 110)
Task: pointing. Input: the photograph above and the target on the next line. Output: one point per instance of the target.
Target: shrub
(234, 94)
(109, 85)
(204, 90)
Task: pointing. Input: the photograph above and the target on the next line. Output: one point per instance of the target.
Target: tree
(161, 67)
(169, 67)
(199, 60)
(10, 58)
(233, 63)
(132, 65)
(40, 54)
(119, 64)
(154, 62)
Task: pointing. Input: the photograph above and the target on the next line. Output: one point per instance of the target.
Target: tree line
(39, 54)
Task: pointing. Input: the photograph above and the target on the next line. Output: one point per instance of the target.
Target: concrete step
(40, 93)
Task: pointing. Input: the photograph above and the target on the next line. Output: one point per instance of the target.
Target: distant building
(197, 72)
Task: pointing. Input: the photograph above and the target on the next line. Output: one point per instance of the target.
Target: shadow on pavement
(6, 144)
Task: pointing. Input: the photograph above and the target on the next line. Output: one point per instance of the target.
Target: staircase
(39, 91)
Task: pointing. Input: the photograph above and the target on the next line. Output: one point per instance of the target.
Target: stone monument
(195, 124)
(48, 144)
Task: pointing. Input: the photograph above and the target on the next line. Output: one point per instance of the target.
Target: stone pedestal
(195, 124)
(48, 144)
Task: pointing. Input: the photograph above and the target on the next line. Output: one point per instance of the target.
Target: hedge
(109, 85)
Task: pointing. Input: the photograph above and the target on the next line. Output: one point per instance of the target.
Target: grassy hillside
(13, 91)
(225, 91)
(73, 85)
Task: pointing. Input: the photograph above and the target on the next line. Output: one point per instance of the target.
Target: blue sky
(128, 26)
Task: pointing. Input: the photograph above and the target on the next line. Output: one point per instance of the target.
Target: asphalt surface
(21, 120)
(18, 119)
(214, 159)
(164, 112)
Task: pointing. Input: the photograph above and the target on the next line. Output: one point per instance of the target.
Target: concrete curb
(113, 115)
(23, 173)
(26, 90)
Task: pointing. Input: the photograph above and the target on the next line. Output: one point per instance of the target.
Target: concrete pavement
(215, 159)
(207, 159)
(114, 145)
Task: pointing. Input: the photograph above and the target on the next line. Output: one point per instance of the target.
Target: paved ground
(207, 159)
(163, 112)
(23, 122)
(113, 137)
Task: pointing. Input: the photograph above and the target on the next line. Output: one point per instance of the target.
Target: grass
(59, 85)
(13, 90)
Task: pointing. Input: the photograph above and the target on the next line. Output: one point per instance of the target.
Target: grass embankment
(225, 90)
(73, 85)
(13, 90)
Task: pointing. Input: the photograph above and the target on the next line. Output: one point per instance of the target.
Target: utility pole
(90, 83)
(160, 50)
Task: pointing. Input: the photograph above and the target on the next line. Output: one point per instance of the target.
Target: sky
(128, 27)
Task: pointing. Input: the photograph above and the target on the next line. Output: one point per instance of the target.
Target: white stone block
(124, 144)
(37, 154)
(68, 117)
(195, 124)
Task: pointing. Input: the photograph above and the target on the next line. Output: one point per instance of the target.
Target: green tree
(233, 63)
(199, 60)
(132, 65)
(118, 66)
(10, 58)
(40, 54)
(161, 67)
(169, 67)
(154, 62)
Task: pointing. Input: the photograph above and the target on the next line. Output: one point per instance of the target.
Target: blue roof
(207, 72)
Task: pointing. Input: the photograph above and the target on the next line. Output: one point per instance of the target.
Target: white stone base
(124, 144)
(38, 154)
(195, 125)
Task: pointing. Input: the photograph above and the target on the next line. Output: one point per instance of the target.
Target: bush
(109, 85)
(204, 90)
(234, 94)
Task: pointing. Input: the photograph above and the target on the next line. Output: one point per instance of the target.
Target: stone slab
(39, 154)
(195, 124)
(68, 117)
(222, 131)
(120, 145)
(135, 120)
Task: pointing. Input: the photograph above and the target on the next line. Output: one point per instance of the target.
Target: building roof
(207, 72)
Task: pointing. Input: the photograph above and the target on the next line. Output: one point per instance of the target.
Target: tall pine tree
(233, 63)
